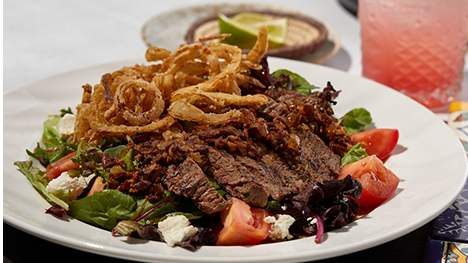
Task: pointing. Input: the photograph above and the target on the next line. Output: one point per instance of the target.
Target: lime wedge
(244, 28)
(249, 18)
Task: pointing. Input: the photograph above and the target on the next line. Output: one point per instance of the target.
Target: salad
(205, 146)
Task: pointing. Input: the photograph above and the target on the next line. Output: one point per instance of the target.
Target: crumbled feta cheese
(64, 182)
(281, 226)
(176, 229)
(66, 125)
(313, 221)
(270, 219)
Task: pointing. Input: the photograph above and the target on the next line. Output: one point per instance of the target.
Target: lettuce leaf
(86, 152)
(65, 111)
(170, 205)
(296, 82)
(65, 196)
(115, 151)
(330, 200)
(273, 205)
(355, 154)
(128, 159)
(355, 120)
(39, 181)
(104, 209)
(47, 157)
(51, 139)
(50, 135)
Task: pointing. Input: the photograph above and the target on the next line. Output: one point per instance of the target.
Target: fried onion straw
(198, 82)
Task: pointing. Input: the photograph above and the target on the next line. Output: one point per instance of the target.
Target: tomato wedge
(98, 186)
(243, 225)
(64, 164)
(378, 183)
(380, 142)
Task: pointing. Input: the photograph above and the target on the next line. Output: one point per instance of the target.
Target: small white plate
(429, 159)
(167, 30)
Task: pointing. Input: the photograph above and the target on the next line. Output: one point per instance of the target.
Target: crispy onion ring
(192, 95)
(260, 48)
(189, 53)
(199, 81)
(99, 123)
(156, 54)
(137, 101)
(183, 110)
(225, 80)
(187, 104)
(186, 66)
(195, 96)
(218, 37)
(81, 125)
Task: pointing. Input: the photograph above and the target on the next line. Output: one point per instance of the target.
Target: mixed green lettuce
(355, 120)
(57, 146)
(39, 181)
(296, 82)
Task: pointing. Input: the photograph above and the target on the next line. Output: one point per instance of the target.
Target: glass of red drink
(416, 47)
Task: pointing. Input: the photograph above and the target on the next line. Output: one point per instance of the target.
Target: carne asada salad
(205, 146)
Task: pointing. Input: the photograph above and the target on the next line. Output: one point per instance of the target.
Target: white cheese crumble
(176, 229)
(312, 221)
(281, 226)
(66, 125)
(66, 183)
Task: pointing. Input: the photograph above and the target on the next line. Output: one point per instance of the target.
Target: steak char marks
(270, 153)
(188, 180)
(291, 153)
(236, 178)
(316, 161)
(273, 174)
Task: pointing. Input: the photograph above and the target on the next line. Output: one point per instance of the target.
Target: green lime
(244, 28)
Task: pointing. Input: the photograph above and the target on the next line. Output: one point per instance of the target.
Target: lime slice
(249, 18)
(244, 28)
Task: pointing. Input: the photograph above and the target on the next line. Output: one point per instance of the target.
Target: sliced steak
(273, 174)
(282, 95)
(235, 178)
(188, 180)
(273, 109)
(263, 175)
(316, 161)
(282, 173)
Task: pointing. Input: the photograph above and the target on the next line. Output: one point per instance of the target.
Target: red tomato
(378, 183)
(380, 142)
(64, 164)
(243, 225)
(97, 186)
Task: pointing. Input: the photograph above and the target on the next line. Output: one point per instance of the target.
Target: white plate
(167, 30)
(429, 160)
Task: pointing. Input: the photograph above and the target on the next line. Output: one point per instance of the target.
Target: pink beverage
(416, 47)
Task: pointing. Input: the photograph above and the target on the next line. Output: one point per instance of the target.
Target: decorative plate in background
(169, 30)
(305, 34)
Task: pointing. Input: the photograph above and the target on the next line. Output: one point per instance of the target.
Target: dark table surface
(19, 246)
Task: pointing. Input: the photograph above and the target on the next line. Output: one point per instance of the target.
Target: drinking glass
(416, 47)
